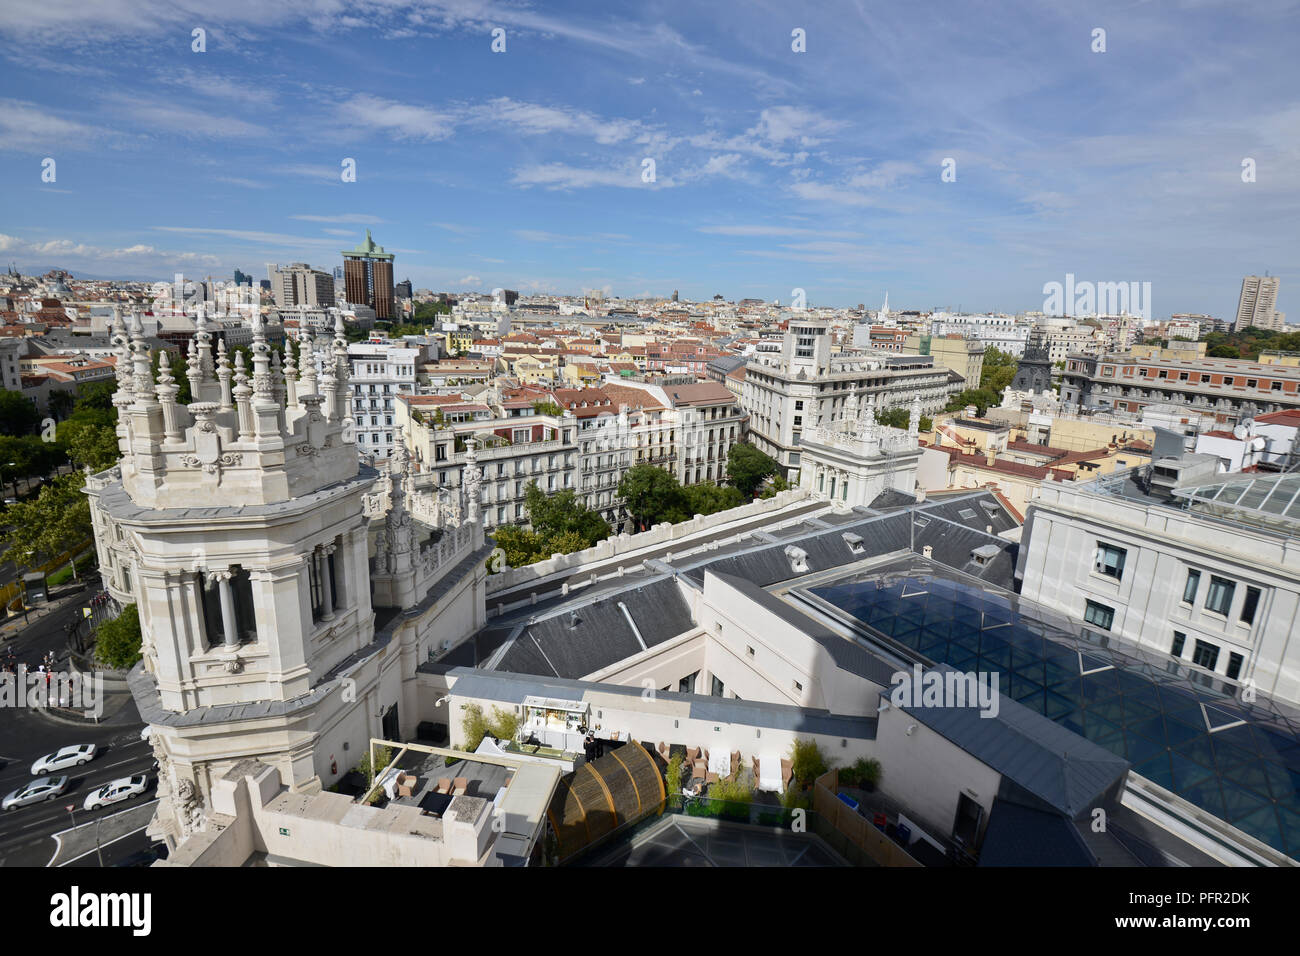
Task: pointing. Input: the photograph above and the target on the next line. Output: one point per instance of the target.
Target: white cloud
(248, 235)
(562, 176)
(781, 124)
(468, 280)
(241, 181)
(174, 117)
(73, 252)
(534, 120)
(402, 121)
(218, 87)
(27, 126)
(759, 230)
(352, 217)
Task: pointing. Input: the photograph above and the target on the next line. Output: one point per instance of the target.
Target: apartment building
(301, 285)
(804, 385)
(1257, 303)
(710, 422)
(954, 352)
(1230, 389)
(515, 446)
(380, 372)
(1196, 565)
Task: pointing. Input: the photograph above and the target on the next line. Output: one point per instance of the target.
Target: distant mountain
(38, 271)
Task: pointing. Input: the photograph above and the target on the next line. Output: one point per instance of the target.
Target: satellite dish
(1241, 431)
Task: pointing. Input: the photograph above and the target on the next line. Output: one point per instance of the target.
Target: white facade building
(1215, 587)
(852, 461)
(380, 372)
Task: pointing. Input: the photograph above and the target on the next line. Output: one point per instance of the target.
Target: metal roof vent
(854, 541)
(798, 559)
(574, 620)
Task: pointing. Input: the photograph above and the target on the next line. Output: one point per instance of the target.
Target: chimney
(927, 551)
(990, 457)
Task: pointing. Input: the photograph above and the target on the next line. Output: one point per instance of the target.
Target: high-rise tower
(368, 277)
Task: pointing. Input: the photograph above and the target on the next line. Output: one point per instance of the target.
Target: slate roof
(952, 527)
(581, 638)
(1019, 836)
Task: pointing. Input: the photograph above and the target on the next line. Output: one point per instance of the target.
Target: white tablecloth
(769, 774)
(720, 762)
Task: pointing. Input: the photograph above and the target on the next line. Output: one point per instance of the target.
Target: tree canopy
(45, 526)
(18, 414)
(118, 642)
(899, 417)
(651, 496)
(560, 525)
(999, 370)
(748, 468)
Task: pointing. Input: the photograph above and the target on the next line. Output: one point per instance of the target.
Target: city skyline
(773, 169)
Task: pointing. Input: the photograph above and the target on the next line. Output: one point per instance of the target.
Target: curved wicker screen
(619, 788)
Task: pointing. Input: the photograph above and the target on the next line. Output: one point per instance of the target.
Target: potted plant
(868, 769)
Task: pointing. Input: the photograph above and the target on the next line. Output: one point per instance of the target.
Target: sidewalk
(61, 598)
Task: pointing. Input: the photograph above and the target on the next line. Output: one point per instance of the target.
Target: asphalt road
(26, 834)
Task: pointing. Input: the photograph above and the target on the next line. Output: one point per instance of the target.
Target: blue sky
(774, 169)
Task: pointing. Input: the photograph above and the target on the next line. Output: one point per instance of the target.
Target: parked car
(63, 759)
(36, 791)
(124, 788)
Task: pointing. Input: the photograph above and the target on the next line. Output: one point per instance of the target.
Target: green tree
(89, 442)
(53, 522)
(18, 414)
(710, 499)
(899, 417)
(547, 408)
(23, 455)
(556, 514)
(474, 727)
(652, 496)
(96, 396)
(807, 760)
(60, 402)
(999, 370)
(981, 398)
(748, 468)
(118, 642)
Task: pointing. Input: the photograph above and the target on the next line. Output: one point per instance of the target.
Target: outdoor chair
(459, 786)
(787, 772)
(692, 754)
(406, 784)
(444, 784)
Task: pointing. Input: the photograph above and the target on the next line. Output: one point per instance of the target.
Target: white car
(36, 791)
(65, 758)
(125, 788)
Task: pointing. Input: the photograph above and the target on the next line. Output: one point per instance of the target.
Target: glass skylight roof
(1267, 500)
(1178, 727)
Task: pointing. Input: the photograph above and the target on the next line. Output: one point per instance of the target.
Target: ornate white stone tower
(238, 525)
